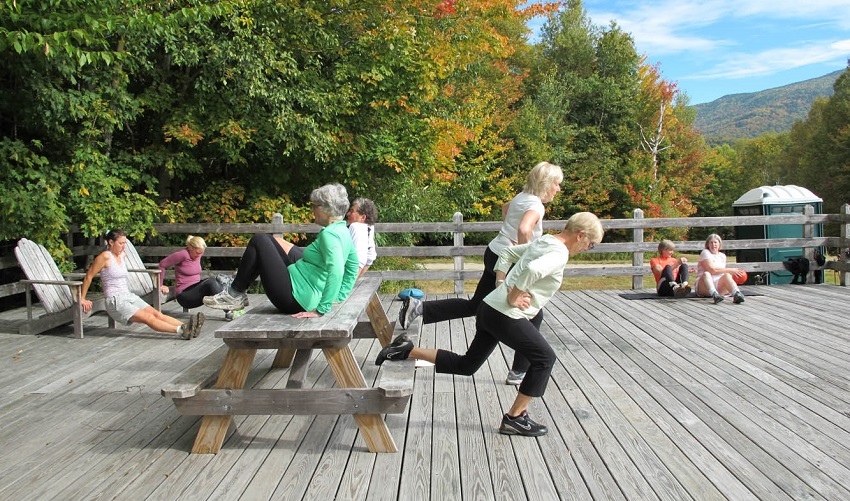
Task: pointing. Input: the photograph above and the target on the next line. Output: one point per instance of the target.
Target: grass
(570, 283)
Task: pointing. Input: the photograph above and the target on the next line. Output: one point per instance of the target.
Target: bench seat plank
(197, 376)
(291, 401)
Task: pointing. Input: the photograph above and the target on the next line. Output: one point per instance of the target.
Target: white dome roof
(777, 195)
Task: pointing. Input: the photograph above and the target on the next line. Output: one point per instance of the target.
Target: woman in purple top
(189, 289)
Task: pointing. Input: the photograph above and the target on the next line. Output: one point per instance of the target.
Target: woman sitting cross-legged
(304, 282)
(671, 273)
(505, 316)
(121, 304)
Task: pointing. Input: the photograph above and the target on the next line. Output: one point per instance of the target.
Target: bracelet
(499, 281)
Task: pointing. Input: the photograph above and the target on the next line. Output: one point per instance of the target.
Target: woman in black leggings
(302, 282)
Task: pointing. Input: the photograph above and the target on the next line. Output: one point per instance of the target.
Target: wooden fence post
(845, 244)
(637, 256)
(458, 242)
(809, 232)
(277, 222)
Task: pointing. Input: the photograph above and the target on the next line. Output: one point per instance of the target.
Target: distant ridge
(749, 115)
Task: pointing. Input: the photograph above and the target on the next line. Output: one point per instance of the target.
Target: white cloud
(669, 27)
(768, 62)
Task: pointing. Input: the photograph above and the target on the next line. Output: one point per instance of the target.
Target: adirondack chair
(59, 296)
(144, 282)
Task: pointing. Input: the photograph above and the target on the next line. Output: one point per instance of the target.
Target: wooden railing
(458, 228)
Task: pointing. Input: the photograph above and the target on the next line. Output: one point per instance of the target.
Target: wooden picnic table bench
(263, 327)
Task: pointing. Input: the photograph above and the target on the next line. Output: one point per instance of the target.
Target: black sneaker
(187, 329)
(738, 297)
(522, 425)
(716, 297)
(199, 323)
(399, 349)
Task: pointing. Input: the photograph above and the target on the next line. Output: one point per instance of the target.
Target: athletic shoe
(514, 377)
(522, 425)
(411, 308)
(716, 297)
(682, 291)
(186, 333)
(738, 297)
(224, 301)
(199, 322)
(399, 349)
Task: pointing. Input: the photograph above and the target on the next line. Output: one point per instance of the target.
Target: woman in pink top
(189, 289)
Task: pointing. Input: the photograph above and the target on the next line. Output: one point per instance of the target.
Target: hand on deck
(307, 314)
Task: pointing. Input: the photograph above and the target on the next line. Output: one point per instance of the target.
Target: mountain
(749, 115)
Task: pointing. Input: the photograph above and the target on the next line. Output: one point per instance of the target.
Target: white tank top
(114, 277)
(520, 204)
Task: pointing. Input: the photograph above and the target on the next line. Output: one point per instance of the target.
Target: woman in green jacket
(304, 282)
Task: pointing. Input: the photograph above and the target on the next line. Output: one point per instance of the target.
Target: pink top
(186, 270)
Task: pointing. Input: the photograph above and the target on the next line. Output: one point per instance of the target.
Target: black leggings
(493, 327)
(449, 309)
(665, 285)
(266, 259)
(193, 296)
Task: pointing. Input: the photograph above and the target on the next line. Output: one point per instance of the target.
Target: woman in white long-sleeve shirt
(361, 219)
(536, 273)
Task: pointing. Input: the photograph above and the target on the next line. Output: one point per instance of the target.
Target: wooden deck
(650, 399)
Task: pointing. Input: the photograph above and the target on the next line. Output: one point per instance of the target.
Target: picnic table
(263, 327)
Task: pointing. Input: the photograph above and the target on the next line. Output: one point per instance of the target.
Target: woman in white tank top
(121, 304)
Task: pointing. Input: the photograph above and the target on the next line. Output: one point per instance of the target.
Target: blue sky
(713, 48)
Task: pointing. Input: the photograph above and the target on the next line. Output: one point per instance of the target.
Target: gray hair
(367, 208)
(713, 236)
(542, 177)
(331, 198)
(666, 245)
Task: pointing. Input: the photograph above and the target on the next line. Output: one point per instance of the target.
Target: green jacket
(326, 272)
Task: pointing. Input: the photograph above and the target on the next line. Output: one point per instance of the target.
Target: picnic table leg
(348, 375)
(378, 318)
(233, 374)
(283, 358)
(298, 373)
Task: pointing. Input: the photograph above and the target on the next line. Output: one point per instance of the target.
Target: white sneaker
(224, 301)
(410, 309)
(514, 377)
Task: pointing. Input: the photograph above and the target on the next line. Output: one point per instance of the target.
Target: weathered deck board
(649, 399)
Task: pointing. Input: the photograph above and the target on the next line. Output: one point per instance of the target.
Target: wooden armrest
(148, 271)
(72, 283)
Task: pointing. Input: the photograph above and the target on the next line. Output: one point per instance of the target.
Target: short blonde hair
(542, 177)
(666, 245)
(588, 223)
(196, 242)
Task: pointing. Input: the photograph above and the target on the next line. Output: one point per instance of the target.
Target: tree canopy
(123, 113)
